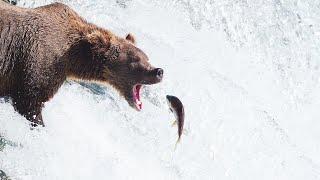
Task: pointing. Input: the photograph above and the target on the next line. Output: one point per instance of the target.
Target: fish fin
(185, 132)
(175, 146)
(174, 123)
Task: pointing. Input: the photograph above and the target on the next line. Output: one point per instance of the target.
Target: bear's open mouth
(136, 96)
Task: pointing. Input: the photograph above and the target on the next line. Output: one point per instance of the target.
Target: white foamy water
(246, 71)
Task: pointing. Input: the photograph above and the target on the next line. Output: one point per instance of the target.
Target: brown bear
(40, 48)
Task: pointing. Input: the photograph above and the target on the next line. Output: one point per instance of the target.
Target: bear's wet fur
(40, 48)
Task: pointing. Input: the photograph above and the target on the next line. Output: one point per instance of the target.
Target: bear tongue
(136, 96)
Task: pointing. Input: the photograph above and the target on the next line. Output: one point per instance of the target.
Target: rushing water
(247, 72)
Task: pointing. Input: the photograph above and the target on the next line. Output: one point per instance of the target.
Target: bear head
(118, 62)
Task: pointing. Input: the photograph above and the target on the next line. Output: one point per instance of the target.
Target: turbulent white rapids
(247, 71)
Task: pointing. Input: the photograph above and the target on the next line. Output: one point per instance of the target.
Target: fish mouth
(136, 96)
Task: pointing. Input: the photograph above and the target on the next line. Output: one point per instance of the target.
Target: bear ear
(131, 38)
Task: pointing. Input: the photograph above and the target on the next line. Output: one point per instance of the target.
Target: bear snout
(158, 73)
(154, 76)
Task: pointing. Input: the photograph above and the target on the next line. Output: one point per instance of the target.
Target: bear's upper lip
(136, 96)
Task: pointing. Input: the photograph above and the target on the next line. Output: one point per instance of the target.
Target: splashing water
(247, 72)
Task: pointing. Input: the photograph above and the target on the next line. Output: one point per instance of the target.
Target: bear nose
(159, 73)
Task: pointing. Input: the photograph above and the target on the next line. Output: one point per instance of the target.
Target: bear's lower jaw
(136, 96)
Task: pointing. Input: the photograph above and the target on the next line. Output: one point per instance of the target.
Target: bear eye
(134, 60)
(132, 56)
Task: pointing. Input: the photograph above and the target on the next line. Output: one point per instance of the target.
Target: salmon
(177, 109)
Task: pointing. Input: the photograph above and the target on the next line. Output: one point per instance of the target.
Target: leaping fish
(177, 109)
